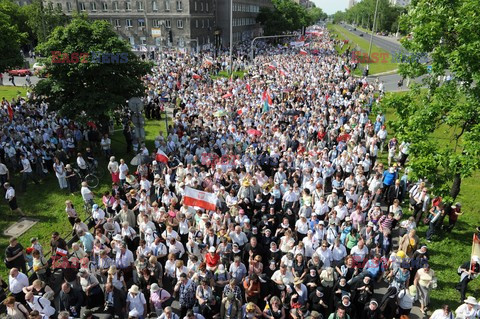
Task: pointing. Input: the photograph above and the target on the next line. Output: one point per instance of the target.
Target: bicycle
(91, 179)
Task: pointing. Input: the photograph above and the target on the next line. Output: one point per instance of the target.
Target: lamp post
(231, 37)
(373, 30)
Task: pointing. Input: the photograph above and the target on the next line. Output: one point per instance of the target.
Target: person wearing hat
(136, 301)
(231, 307)
(406, 299)
(468, 310)
(159, 299)
(467, 271)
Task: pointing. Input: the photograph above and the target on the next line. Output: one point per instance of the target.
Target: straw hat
(413, 290)
(471, 300)
(297, 281)
(154, 287)
(133, 289)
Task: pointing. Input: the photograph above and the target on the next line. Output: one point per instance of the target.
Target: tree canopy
(287, 16)
(82, 87)
(448, 32)
(362, 14)
(11, 37)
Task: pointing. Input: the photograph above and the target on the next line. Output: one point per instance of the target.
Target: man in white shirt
(87, 194)
(123, 169)
(27, 172)
(175, 247)
(105, 143)
(359, 253)
(16, 282)
(239, 237)
(41, 304)
(12, 199)
(82, 164)
(4, 173)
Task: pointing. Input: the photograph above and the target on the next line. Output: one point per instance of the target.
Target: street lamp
(231, 37)
(373, 29)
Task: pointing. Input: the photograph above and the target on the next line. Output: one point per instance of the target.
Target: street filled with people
(279, 194)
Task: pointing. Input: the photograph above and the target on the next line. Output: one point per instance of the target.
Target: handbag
(427, 220)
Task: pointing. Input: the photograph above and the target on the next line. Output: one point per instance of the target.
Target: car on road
(354, 29)
(361, 34)
(19, 72)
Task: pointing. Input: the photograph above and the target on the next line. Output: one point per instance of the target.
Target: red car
(20, 72)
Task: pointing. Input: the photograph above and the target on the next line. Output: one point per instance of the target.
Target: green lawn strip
(363, 45)
(226, 74)
(448, 251)
(341, 49)
(46, 201)
(10, 92)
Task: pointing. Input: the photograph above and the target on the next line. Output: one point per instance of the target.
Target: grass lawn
(448, 251)
(225, 74)
(46, 201)
(10, 92)
(362, 44)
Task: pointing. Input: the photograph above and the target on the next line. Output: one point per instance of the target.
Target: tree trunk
(455, 190)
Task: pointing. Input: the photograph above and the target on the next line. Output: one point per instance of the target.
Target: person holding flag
(470, 269)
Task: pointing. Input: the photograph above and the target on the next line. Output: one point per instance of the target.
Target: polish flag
(161, 156)
(346, 68)
(193, 197)
(61, 252)
(249, 88)
(303, 52)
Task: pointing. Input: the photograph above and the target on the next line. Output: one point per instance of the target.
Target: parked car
(19, 72)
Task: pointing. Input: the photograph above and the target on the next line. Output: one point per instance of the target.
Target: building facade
(400, 3)
(149, 24)
(245, 26)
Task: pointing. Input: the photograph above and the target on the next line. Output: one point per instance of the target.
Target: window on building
(115, 5)
(167, 5)
(93, 6)
(141, 23)
(179, 6)
(143, 40)
(50, 6)
(128, 23)
(180, 24)
(140, 6)
(168, 24)
(128, 6)
(154, 6)
(201, 6)
(203, 24)
(155, 23)
(208, 23)
(69, 7)
(104, 6)
(81, 6)
(206, 6)
(195, 6)
(196, 23)
(59, 6)
(117, 23)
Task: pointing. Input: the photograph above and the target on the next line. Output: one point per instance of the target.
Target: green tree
(10, 40)
(316, 14)
(448, 32)
(83, 88)
(42, 20)
(286, 16)
(338, 16)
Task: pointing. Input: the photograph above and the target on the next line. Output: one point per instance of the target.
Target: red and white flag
(193, 197)
(61, 252)
(208, 62)
(161, 156)
(303, 52)
(10, 112)
(347, 69)
(249, 88)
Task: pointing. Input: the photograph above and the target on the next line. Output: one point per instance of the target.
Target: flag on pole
(266, 97)
(193, 197)
(161, 156)
(346, 68)
(61, 252)
(475, 246)
(303, 52)
(249, 88)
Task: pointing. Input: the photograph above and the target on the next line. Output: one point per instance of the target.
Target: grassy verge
(225, 74)
(363, 45)
(46, 201)
(10, 92)
(448, 251)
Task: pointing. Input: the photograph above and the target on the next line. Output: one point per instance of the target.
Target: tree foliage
(89, 90)
(363, 12)
(11, 37)
(448, 32)
(287, 16)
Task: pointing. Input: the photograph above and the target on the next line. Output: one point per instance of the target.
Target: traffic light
(170, 36)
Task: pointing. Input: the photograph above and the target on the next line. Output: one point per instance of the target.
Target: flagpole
(231, 37)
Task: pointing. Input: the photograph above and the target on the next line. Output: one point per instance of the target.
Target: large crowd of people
(308, 222)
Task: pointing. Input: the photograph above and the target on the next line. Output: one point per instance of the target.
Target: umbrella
(254, 132)
(291, 113)
(220, 113)
(141, 159)
(226, 96)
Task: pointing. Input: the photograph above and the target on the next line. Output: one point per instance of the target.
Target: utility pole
(231, 37)
(373, 30)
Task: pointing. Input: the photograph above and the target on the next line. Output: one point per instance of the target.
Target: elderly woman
(409, 242)
(424, 280)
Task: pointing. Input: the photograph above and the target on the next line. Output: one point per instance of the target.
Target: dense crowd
(308, 222)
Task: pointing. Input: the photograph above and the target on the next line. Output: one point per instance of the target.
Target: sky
(331, 6)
